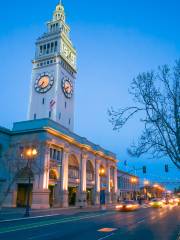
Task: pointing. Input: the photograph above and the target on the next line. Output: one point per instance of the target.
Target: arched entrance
(52, 184)
(89, 182)
(73, 175)
(23, 187)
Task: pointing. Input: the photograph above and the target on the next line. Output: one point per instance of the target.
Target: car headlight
(118, 206)
(129, 206)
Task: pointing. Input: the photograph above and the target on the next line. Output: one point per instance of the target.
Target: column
(97, 183)
(115, 194)
(57, 190)
(82, 195)
(40, 195)
(108, 190)
(64, 179)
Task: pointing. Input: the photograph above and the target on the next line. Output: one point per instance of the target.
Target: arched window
(89, 171)
(73, 167)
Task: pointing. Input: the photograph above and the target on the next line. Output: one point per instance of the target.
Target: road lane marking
(107, 229)
(106, 236)
(140, 221)
(27, 218)
(50, 222)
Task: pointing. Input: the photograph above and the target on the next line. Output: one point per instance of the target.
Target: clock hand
(67, 88)
(41, 84)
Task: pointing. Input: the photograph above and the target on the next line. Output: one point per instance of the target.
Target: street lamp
(29, 154)
(146, 183)
(134, 181)
(102, 193)
(101, 172)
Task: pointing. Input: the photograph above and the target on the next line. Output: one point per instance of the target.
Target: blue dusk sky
(115, 41)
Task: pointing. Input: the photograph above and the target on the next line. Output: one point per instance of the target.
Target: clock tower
(53, 73)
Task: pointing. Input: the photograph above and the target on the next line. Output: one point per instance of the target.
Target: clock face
(44, 82)
(67, 87)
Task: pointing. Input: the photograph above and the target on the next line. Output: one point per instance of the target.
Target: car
(171, 201)
(176, 201)
(165, 201)
(127, 205)
(156, 203)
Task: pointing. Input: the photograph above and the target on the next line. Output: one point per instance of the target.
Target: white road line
(25, 218)
(140, 221)
(106, 236)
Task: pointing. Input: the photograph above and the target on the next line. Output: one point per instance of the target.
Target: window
(69, 121)
(41, 50)
(54, 154)
(43, 101)
(55, 48)
(49, 114)
(34, 116)
(65, 104)
(58, 156)
(52, 46)
(44, 49)
(59, 116)
(48, 47)
(73, 172)
(51, 153)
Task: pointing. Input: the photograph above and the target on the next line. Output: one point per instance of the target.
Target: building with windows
(43, 155)
(152, 191)
(128, 185)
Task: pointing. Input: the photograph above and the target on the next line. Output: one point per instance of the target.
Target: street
(146, 223)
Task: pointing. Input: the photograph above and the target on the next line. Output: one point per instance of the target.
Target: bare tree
(157, 101)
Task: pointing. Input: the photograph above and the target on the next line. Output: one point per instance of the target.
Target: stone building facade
(65, 172)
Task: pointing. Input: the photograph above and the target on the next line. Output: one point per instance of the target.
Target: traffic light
(166, 168)
(144, 169)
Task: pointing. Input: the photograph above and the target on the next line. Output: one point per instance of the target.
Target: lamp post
(29, 154)
(134, 182)
(102, 194)
(146, 183)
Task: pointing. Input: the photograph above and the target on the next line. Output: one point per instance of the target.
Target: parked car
(127, 205)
